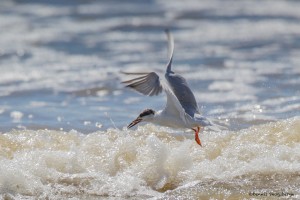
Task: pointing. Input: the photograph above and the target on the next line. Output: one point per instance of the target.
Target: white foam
(126, 163)
(16, 116)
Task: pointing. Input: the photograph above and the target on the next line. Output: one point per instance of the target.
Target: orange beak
(135, 122)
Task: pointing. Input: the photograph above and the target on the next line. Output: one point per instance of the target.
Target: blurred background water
(60, 61)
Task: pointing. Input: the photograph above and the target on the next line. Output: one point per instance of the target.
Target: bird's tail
(216, 126)
(212, 125)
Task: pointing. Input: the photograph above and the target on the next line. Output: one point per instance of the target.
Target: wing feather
(149, 85)
(183, 93)
(178, 84)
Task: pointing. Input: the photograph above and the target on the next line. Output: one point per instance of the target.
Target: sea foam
(148, 162)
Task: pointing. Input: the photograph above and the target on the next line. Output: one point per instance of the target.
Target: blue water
(60, 61)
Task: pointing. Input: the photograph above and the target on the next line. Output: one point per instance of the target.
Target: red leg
(197, 136)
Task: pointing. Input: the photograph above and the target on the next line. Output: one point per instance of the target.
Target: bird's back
(183, 93)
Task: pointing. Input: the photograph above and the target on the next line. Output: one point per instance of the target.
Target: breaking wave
(150, 162)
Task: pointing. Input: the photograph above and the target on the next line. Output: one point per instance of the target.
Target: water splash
(149, 162)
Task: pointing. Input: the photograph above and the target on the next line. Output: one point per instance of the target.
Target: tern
(181, 110)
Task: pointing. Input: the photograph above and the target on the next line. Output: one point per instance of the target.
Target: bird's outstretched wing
(148, 84)
(183, 93)
(178, 84)
(170, 50)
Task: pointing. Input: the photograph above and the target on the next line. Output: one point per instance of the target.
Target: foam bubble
(16, 116)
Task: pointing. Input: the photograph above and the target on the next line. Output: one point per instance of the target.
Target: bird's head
(145, 116)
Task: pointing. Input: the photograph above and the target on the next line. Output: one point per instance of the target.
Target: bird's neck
(157, 117)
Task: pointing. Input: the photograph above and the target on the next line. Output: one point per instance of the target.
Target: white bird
(181, 110)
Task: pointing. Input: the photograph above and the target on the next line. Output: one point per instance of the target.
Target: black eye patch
(146, 112)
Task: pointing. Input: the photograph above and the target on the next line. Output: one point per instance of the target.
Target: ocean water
(64, 112)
